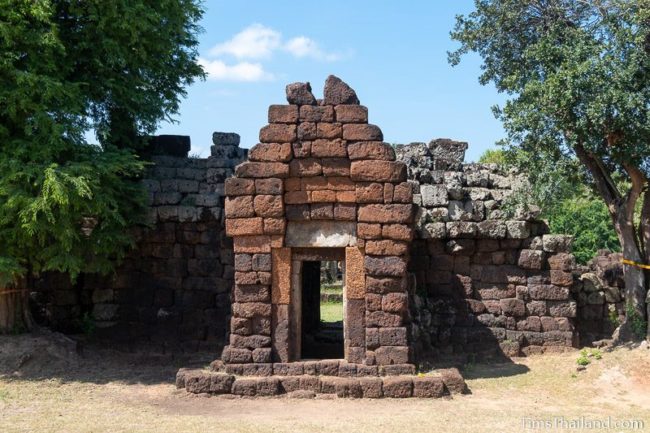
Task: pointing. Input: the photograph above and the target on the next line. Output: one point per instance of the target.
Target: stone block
(461, 229)
(251, 293)
(376, 150)
(283, 114)
(301, 149)
(300, 94)
(337, 92)
(288, 369)
(382, 319)
(378, 171)
(221, 383)
(336, 166)
(362, 132)
(517, 229)
(369, 193)
(328, 130)
(278, 133)
(562, 309)
(268, 386)
(351, 113)
(513, 307)
(345, 211)
(561, 262)
(328, 367)
(320, 234)
(305, 167)
(232, 355)
(289, 384)
(395, 303)
(428, 387)
(237, 186)
(371, 387)
(251, 309)
(329, 148)
(297, 212)
(348, 388)
(239, 207)
(310, 383)
(240, 326)
(328, 384)
(557, 243)
(262, 355)
(393, 336)
(548, 292)
(386, 248)
(244, 226)
(250, 342)
(354, 273)
(280, 337)
(274, 226)
(492, 229)
(369, 231)
(262, 169)
(434, 195)
(270, 152)
(385, 285)
(386, 213)
(281, 275)
(269, 186)
(322, 211)
(397, 387)
(312, 113)
(244, 387)
(561, 278)
(531, 259)
(453, 381)
(386, 266)
(257, 369)
(268, 206)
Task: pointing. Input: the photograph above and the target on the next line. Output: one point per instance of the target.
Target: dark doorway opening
(322, 310)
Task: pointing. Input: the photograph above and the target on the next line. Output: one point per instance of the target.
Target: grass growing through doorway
(331, 311)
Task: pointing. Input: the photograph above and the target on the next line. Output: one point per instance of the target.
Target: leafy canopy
(66, 67)
(578, 73)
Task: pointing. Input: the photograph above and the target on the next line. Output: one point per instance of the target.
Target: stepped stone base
(311, 378)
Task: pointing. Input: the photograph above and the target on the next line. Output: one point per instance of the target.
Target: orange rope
(632, 263)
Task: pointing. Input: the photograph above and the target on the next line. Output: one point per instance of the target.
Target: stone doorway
(319, 310)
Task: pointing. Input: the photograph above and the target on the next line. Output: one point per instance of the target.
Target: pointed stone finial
(338, 92)
(300, 94)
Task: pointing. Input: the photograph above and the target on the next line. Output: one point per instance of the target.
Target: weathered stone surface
(337, 92)
(237, 186)
(278, 133)
(316, 114)
(369, 193)
(239, 207)
(385, 285)
(557, 243)
(320, 234)
(371, 387)
(453, 381)
(251, 293)
(428, 387)
(269, 206)
(272, 152)
(281, 290)
(336, 166)
(385, 266)
(386, 213)
(531, 259)
(334, 148)
(371, 150)
(349, 113)
(386, 248)
(354, 273)
(269, 186)
(398, 387)
(244, 226)
(378, 171)
(283, 114)
(362, 132)
(300, 94)
(329, 130)
(245, 387)
(262, 169)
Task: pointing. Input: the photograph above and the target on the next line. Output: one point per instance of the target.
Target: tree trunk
(15, 315)
(644, 234)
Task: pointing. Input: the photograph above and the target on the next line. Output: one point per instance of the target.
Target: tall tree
(65, 204)
(578, 77)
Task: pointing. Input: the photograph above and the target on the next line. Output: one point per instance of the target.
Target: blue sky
(392, 53)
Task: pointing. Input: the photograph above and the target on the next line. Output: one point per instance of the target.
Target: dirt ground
(44, 389)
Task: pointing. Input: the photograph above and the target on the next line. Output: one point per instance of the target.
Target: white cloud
(242, 71)
(303, 46)
(254, 42)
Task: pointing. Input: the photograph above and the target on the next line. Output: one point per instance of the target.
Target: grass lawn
(115, 393)
(331, 311)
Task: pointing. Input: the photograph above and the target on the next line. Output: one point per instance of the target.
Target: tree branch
(608, 191)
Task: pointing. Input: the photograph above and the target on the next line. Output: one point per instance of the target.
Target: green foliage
(87, 325)
(586, 354)
(493, 156)
(613, 317)
(585, 218)
(568, 206)
(638, 324)
(578, 79)
(66, 67)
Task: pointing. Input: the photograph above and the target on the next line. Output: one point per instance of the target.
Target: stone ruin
(437, 267)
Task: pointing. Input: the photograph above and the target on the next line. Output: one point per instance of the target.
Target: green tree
(578, 77)
(65, 204)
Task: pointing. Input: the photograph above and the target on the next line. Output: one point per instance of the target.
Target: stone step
(326, 367)
(435, 385)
